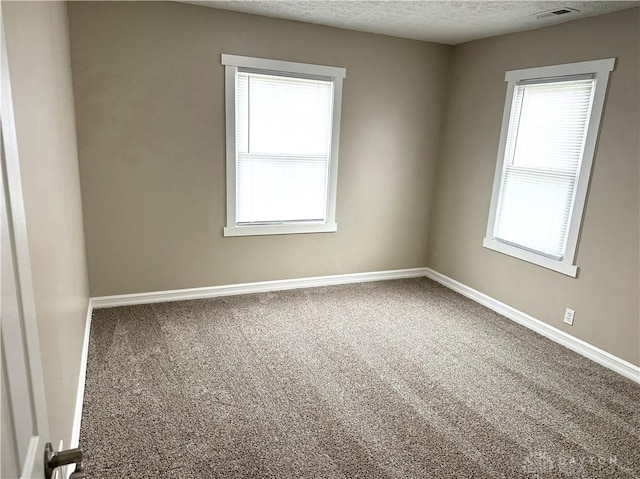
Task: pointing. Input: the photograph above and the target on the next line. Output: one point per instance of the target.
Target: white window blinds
(543, 153)
(283, 148)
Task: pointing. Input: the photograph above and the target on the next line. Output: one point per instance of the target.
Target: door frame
(33, 466)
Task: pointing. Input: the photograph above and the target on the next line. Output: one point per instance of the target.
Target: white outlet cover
(568, 316)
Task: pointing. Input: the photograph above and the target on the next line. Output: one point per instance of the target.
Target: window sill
(559, 266)
(260, 230)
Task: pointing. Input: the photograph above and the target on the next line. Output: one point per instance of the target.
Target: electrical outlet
(568, 316)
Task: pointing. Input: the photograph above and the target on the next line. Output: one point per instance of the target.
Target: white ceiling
(448, 22)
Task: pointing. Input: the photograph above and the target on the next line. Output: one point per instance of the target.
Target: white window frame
(601, 69)
(232, 63)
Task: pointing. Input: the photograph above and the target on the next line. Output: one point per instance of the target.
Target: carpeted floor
(394, 379)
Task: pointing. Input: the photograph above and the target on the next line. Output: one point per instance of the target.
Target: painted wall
(149, 90)
(40, 69)
(149, 96)
(605, 294)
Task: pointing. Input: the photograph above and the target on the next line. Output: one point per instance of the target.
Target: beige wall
(605, 294)
(40, 70)
(149, 100)
(149, 91)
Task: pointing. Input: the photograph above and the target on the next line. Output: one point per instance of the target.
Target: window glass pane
(543, 151)
(288, 115)
(534, 210)
(283, 136)
(548, 124)
(275, 189)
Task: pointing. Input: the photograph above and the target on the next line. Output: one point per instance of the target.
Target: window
(549, 131)
(283, 122)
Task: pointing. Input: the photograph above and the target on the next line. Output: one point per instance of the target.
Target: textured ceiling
(449, 22)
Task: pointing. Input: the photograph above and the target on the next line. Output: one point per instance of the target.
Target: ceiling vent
(556, 12)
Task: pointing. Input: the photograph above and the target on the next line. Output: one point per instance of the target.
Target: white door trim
(33, 466)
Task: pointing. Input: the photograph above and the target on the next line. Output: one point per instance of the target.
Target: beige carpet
(394, 379)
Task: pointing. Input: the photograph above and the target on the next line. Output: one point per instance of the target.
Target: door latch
(53, 459)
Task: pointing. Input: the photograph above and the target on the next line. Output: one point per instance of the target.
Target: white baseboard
(77, 418)
(587, 350)
(247, 288)
(581, 347)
